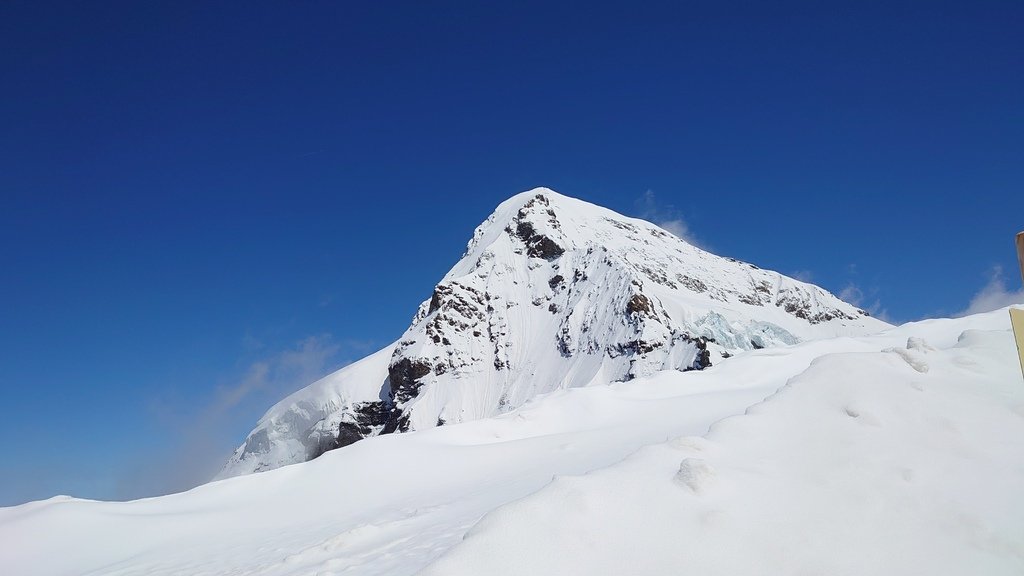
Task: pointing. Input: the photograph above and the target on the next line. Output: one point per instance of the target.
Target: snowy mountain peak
(552, 293)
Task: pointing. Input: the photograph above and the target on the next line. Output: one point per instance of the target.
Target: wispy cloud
(664, 215)
(993, 295)
(803, 275)
(280, 373)
(202, 432)
(854, 294)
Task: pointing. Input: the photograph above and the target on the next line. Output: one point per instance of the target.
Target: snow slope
(876, 458)
(552, 293)
(904, 461)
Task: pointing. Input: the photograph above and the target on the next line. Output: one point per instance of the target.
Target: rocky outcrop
(404, 376)
(538, 245)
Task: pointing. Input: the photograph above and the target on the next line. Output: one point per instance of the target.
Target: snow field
(902, 461)
(860, 464)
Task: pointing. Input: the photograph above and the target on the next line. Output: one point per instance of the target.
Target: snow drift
(906, 460)
(864, 463)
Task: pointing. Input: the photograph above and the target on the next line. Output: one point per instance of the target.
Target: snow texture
(865, 463)
(856, 463)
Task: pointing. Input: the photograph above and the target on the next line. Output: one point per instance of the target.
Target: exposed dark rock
(797, 310)
(525, 231)
(692, 283)
(348, 433)
(564, 342)
(639, 304)
(404, 376)
(829, 315)
(658, 276)
(435, 298)
(634, 348)
(637, 348)
(798, 305)
(703, 359)
(538, 245)
(555, 281)
(622, 225)
(368, 417)
(397, 422)
(751, 299)
(459, 299)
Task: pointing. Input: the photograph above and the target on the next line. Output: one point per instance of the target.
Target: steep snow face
(551, 293)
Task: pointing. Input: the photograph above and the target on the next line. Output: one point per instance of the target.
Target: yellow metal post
(1017, 315)
(1017, 321)
(1020, 253)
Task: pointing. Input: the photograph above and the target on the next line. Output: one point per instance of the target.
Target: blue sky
(203, 207)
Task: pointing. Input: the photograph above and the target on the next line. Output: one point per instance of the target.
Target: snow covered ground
(899, 453)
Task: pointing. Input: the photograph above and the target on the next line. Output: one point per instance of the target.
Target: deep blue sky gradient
(191, 193)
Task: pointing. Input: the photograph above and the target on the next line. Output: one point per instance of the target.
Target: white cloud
(665, 216)
(280, 373)
(676, 227)
(853, 294)
(876, 310)
(993, 295)
(255, 379)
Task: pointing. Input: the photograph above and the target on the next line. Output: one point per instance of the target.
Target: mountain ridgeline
(552, 293)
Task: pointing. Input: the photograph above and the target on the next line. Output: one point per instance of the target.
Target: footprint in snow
(862, 416)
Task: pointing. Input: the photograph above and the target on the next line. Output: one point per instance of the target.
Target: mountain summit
(552, 293)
